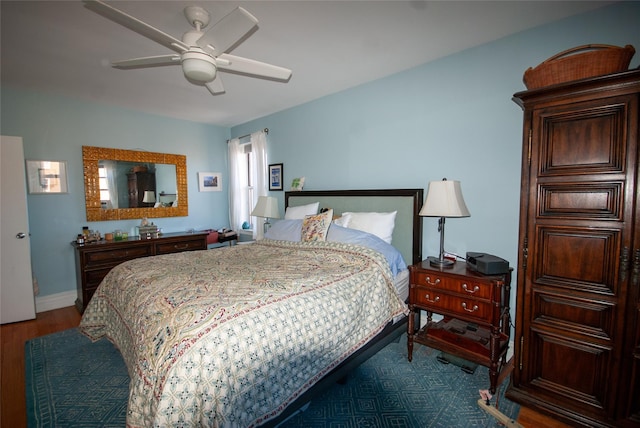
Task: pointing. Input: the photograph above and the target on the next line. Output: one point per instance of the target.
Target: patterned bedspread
(229, 337)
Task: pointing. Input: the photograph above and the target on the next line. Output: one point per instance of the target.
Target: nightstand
(230, 239)
(474, 309)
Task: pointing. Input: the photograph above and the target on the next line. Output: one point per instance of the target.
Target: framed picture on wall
(297, 184)
(275, 176)
(46, 177)
(210, 181)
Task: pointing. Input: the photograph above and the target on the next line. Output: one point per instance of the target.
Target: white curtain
(110, 169)
(260, 180)
(237, 184)
(241, 197)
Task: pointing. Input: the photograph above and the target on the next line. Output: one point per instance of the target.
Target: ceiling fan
(201, 53)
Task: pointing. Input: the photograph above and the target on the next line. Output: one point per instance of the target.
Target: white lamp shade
(444, 199)
(149, 197)
(267, 206)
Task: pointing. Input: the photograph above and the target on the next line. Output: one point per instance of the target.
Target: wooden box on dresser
(475, 314)
(577, 331)
(95, 260)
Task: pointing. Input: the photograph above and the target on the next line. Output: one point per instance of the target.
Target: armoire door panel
(591, 319)
(581, 259)
(632, 404)
(583, 140)
(581, 200)
(560, 366)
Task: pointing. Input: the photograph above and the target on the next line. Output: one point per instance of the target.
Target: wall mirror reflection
(135, 185)
(128, 184)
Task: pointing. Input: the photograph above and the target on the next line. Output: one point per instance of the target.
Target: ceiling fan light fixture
(199, 67)
(200, 53)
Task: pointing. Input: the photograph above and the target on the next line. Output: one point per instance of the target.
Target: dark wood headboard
(407, 234)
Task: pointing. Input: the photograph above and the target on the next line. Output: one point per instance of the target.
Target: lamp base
(436, 262)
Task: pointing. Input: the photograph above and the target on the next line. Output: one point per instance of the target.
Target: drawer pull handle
(428, 297)
(181, 247)
(436, 282)
(464, 306)
(466, 288)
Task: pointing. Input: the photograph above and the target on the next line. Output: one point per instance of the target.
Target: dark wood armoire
(138, 183)
(577, 331)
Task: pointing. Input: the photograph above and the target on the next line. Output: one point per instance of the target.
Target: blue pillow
(285, 230)
(291, 230)
(358, 237)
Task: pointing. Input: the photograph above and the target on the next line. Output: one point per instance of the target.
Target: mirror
(137, 185)
(166, 197)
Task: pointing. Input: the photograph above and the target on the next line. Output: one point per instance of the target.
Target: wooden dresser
(475, 310)
(577, 354)
(95, 260)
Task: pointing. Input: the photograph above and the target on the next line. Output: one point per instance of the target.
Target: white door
(17, 302)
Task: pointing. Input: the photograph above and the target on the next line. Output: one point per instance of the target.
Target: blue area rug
(72, 382)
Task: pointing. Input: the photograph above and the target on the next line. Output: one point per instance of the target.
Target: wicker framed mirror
(98, 208)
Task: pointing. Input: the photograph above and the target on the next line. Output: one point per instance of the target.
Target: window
(107, 184)
(247, 179)
(103, 183)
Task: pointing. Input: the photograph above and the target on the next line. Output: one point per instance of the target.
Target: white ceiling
(62, 47)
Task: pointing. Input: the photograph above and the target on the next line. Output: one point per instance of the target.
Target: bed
(245, 335)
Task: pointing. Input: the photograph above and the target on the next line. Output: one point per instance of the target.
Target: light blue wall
(55, 128)
(449, 118)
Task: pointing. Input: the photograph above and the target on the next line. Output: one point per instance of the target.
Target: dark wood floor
(12, 384)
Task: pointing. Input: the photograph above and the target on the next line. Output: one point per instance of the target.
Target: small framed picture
(297, 184)
(275, 176)
(210, 181)
(46, 177)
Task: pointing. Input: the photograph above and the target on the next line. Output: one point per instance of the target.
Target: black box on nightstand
(487, 264)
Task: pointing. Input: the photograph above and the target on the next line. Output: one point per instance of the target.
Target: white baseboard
(56, 301)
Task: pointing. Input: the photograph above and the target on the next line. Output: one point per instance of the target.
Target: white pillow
(379, 224)
(343, 220)
(298, 213)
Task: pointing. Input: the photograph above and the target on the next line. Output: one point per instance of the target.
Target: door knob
(21, 235)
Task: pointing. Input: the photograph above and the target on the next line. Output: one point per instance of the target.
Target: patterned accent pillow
(315, 227)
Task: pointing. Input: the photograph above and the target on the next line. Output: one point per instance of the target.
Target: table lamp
(267, 207)
(444, 199)
(149, 197)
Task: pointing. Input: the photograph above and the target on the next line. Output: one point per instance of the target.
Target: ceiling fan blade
(215, 86)
(227, 32)
(136, 25)
(236, 64)
(149, 61)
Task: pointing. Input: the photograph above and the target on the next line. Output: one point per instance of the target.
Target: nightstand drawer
(466, 286)
(437, 301)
